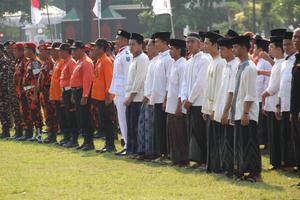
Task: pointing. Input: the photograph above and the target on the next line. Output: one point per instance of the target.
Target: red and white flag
(35, 12)
(161, 7)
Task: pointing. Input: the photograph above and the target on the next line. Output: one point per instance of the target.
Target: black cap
(193, 35)
(278, 32)
(64, 47)
(9, 43)
(225, 42)
(70, 41)
(261, 43)
(55, 45)
(178, 43)
(123, 33)
(78, 45)
(1, 47)
(215, 31)
(258, 37)
(231, 34)
(100, 42)
(241, 40)
(288, 35)
(162, 35)
(202, 35)
(213, 36)
(136, 36)
(276, 39)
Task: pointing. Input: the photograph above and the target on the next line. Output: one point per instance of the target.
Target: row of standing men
(199, 99)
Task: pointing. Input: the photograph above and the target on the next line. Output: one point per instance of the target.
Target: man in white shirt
(146, 125)
(176, 115)
(194, 83)
(275, 51)
(135, 89)
(260, 46)
(121, 66)
(214, 79)
(159, 91)
(244, 111)
(223, 104)
(283, 108)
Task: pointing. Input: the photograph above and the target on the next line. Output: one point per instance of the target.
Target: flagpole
(99, 17)
(47, 7)
(172, 24)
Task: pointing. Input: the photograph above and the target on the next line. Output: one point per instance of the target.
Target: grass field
(37, 172)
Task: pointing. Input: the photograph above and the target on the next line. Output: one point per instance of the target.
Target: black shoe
(106, 149)
(5, 133)
(88, 147)
(121, 153)
(50, 140)
(62, 142)
(71, 144)
(39, 139)
(80, 147)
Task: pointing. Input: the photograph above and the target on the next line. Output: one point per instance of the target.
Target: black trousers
(83, 116)
(262, 127)
(296, 138)
(71, 126)
(132, 119)
(61, 116)
(160, 132)
(274, 140)
(105, 117)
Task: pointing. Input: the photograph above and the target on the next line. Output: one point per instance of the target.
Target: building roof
(71, 16)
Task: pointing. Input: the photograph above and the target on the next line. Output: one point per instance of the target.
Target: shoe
(106, 149)
(50, 139)
(121, 153)
(18, 133)
(62, 142)
(5, 133)
(71, 144)
(80, 147)
(88, 147)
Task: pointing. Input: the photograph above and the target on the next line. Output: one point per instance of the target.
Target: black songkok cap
(178, 43)
(123, 33)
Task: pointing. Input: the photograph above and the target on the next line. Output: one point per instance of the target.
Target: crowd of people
(206, 101)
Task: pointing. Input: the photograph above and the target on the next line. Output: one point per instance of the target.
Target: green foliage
(215, 14)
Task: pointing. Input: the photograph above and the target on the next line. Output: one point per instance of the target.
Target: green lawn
(37, 172)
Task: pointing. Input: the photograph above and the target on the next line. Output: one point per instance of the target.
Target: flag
(161, 7)
(97, 8)
(35, 12)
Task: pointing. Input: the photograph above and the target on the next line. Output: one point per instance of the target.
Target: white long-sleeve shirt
(262, 80)
(285, 83)
(120, 72)
(175, 86)
(161, 77)
(194, 80)
(214, 78)
(149, 78)
(227, 86)
(247, 92)
(136, 77)
(273, 87)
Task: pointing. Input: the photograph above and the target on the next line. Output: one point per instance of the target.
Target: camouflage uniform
(14, 105)
(48, 106)
(19, 94)
(4, 97)
(32, 108)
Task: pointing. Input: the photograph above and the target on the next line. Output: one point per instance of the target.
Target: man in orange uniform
(32, 109)
(55, 89)
(101, 84)
(68, 68)
(81, 82)
(18, 76)
(44, 80)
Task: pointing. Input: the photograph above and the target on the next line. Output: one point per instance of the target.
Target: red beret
(18, 46)
(30, 45)
(44, 46)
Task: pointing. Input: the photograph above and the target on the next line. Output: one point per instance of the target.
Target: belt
(29, 87)
(67, 88)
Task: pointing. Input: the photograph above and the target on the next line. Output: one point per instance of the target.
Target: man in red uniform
(81, 82)
(32, 109)
(21, 62)
(44, 80)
